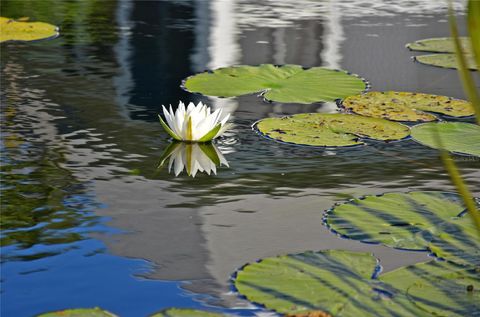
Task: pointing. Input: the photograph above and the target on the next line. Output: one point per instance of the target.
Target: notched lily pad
(457, 137)
(184, 312)
(331, 130)
(79, 312)
(18, 30)
(287, 83)
(344, 284)
(446, 47)
(406, 106)
(414, 221)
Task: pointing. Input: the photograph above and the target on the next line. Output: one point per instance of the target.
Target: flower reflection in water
(192, 157)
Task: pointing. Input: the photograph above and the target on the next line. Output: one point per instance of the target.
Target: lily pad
(445, 60)
(79, 312)
(455, 137)
(344, 284)
(440, 45)
(414, 221)
(184, 312)
(13, 30)
(287, 83)
(406, 106)
(444, 45)
(332, 129)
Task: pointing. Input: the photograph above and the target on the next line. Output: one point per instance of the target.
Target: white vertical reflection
(123, 82)
(221, 35)
(333, 36)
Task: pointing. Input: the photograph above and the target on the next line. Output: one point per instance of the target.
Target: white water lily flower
(193, 158)
(194, 123)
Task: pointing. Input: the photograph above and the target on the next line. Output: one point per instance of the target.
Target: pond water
(89, 220)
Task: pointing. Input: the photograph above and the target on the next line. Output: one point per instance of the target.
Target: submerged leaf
(343, 284)
(415, 221)
(406, 106)
(457, 137)
(288, 83)
(17, 30)
(335, 129)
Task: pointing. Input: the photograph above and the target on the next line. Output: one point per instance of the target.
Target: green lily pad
(184, 312)
(406, 106)
(440, 45)
(455, 137)
(415, 221)
(287, 83)
(445, 60)
(79, 312)
(438, 288)
(343, 284)
(332, 129)
(13, 30)
(444, 45)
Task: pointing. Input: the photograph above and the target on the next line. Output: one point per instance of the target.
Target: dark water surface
(88, 219)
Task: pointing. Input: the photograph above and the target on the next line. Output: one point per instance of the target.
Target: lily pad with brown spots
(407, 106)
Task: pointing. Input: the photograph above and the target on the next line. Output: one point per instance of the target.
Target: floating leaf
(438, 288)
(456, 137)
(406, 106)
(443, 45)
(343, 284)
(440, 45)
(79, 312)
(415, 221)
(333, 129)
(445, 60)
(287, 83)
(183, 312)
(14, 30)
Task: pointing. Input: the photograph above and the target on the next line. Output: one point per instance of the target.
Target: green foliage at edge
(79, 312)
(183, 312)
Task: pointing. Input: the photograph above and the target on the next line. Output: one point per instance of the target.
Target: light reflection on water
(81, 145)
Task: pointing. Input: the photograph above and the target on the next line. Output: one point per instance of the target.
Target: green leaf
(445, 60)
(288, 83)
(169, 131)
(415, 221)
(438, 288)
(15, 30)
(446, 46)
(335, 129)
(343, 284)
(406, 106)
(184, 312)
(457, 137)
(211, 134)
(78, 312)
(439, 45)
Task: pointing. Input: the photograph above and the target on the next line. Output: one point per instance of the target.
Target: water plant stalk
(473, 96)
